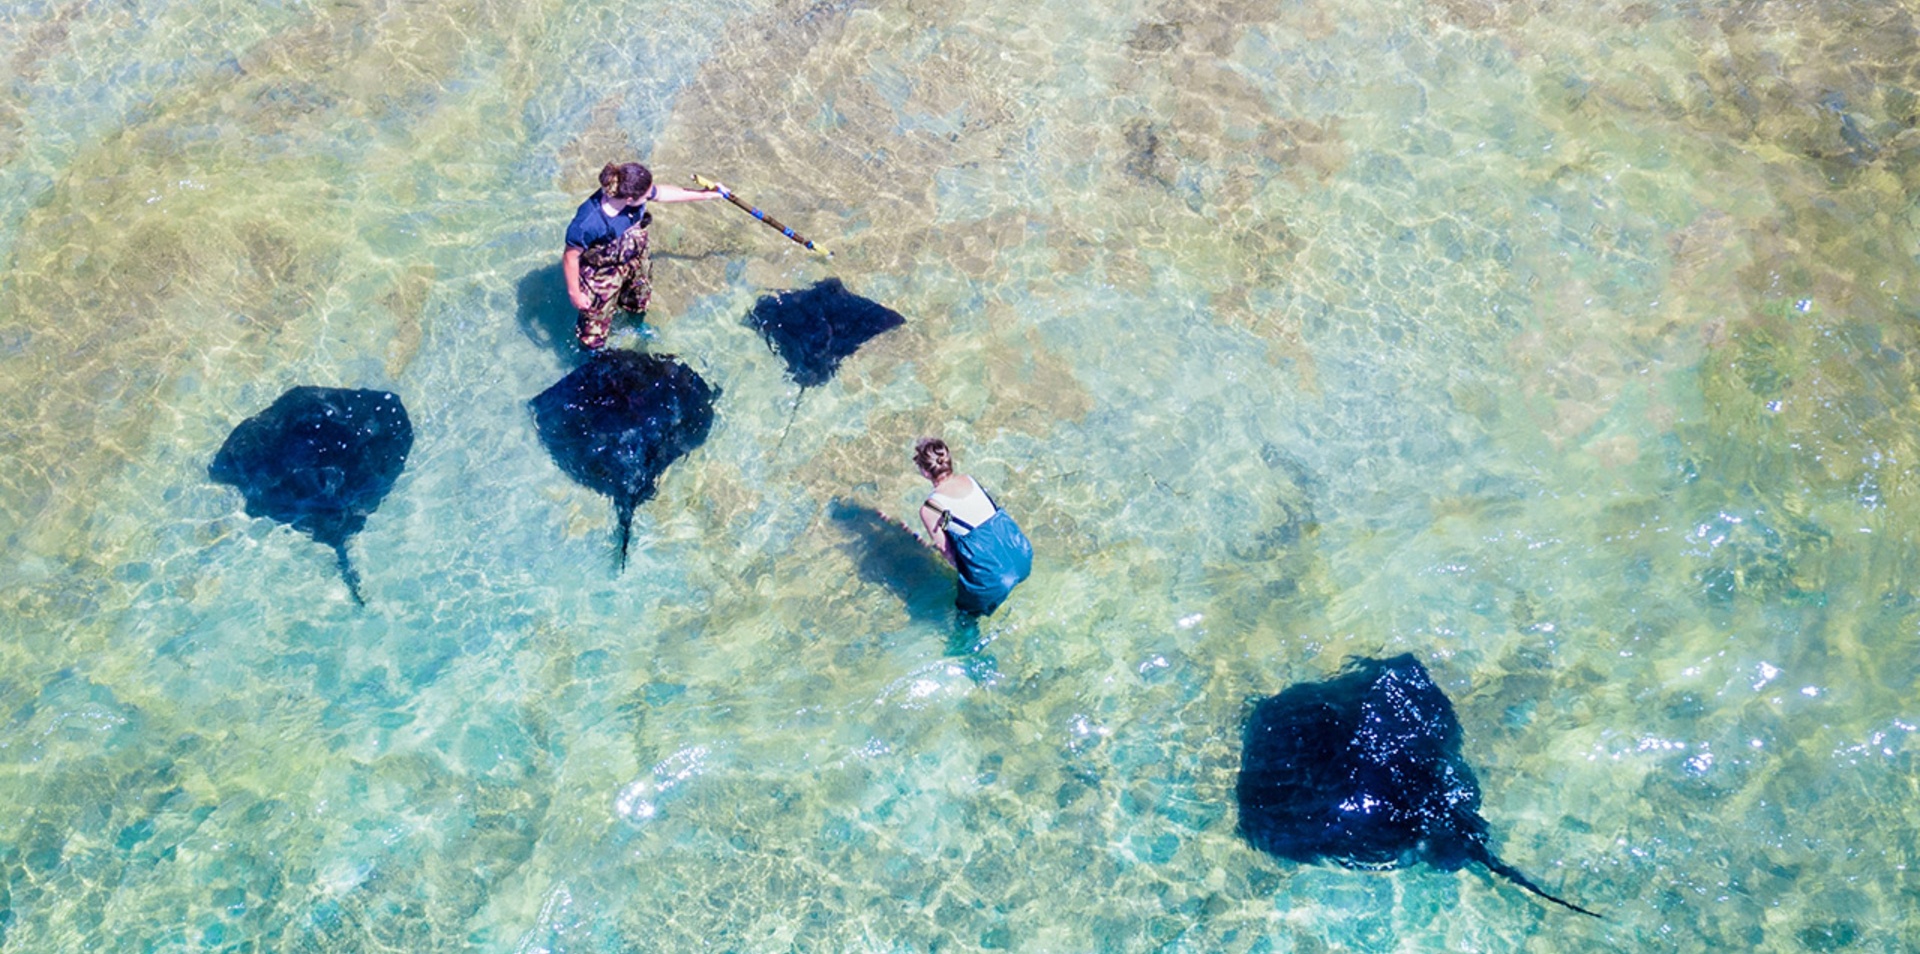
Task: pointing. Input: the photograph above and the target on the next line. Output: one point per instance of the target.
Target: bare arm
(570, 267)
(669, 193)
(930, 518)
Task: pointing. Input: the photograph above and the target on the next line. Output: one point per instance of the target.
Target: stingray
(616, 422)
(320, 460)
(887, 553)
(814, 328)
(1364, 770)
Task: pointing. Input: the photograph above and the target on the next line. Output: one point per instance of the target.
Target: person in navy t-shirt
(606, 263)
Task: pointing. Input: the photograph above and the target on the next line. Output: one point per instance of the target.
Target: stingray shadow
(546, 317)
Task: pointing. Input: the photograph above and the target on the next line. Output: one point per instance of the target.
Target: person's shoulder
(588, 208)
(588, 224)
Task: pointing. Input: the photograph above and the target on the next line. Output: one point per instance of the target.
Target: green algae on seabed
(1565, 347)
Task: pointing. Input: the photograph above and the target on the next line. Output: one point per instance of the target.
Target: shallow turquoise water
(1565, 347)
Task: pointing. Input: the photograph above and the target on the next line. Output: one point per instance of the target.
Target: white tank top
(974, 508)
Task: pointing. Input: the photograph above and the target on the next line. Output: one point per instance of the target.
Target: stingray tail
(347, 573)
(794, 413)
(625, 514)
(1514, 875)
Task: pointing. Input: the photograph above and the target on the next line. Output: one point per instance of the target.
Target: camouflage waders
(615, 275)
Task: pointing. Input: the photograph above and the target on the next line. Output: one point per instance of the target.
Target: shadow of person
(546, 316)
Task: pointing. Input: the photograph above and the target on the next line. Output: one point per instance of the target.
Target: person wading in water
(607, 263)
(967, 526)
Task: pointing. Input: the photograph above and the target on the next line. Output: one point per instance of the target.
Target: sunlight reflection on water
(1566, 349)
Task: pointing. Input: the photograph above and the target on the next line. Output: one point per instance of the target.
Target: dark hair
(932, 457)
(627, 180)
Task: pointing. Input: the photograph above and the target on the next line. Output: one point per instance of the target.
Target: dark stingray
(888, 554)
(1364, 770)
(321, 460)
(813, 329)
(616, 422)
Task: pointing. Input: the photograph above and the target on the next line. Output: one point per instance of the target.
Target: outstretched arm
(671, 193)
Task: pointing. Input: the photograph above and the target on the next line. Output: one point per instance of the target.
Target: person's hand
(580, 300)
(902, 524)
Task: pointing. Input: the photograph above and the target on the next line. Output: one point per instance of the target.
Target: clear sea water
(1568, 346)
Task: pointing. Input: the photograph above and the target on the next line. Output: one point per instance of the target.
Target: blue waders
(992, 557)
